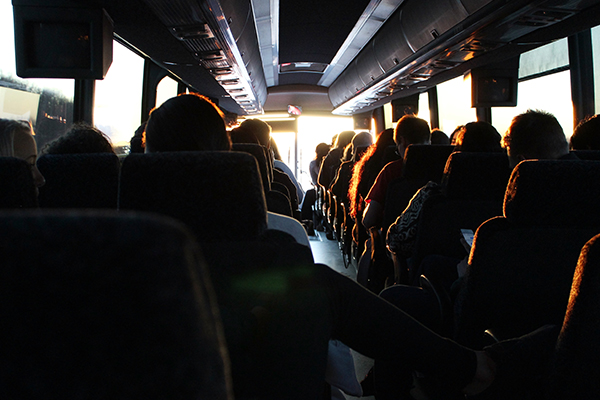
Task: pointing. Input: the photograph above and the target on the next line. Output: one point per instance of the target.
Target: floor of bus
(328, 252)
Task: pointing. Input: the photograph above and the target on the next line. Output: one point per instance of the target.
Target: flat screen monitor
(56, 42)
(494, 88)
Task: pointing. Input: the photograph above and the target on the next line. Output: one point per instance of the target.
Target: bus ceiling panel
(204, 29)
(422, 25)
(314, 30)
(239, 16)
(412, 28)
(390, 45)
(299, 78)
(367, 64)
(473, 6)
(492, 29)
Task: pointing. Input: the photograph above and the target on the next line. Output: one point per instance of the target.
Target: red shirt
(390, 172)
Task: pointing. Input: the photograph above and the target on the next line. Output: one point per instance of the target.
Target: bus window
(46, 103)
(550, 93)
(596, 55)
(544, 84)
(166, 89)
(454, 99)
(117, 110)
(311, 132)
(424, 112)
(286, 144)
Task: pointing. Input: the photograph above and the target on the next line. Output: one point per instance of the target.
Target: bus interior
(312, 69)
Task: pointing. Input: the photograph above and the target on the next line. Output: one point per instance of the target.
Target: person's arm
(373, 215)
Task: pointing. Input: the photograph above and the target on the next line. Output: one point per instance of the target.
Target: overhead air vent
(541, 18)
(206, 32)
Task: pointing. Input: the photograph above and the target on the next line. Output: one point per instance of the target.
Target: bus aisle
(328, 252)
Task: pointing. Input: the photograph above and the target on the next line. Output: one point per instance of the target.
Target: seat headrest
(476, 176)
(103, 304)
(258, 152)
(16, 184)
(84, 180)
(219, 195)
(554, 193)
(426, 161)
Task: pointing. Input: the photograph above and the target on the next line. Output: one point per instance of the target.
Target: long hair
(6, 138)
(8, 128)
(365, 171)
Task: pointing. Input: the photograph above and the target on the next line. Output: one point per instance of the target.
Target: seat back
(16, 184)
(577, 360)
(219, 195)
(258, 152)
(587, 154)
(521, 265)
(105, 305)
(476, 176)
(474, 186)
(390, 154)
(423, 163)
(275, 323)
(88, 180)
(278, 202)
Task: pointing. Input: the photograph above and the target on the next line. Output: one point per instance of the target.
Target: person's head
(81, 138)
(385, 139)
(344, 139)
(260, 129)
(188, 122)
(439, 137)
(454, 134)
(136, 143)
(243, 135)
(587, 134)
(411, 130)
(534, 135)
(478, 137)
(321, 151)
(362, 139)
(16, 140)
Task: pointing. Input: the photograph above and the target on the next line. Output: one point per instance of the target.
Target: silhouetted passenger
(366, 170)
(315, 165)
(332, 161)
(587, 134)
(281, 173)
(351, 314)
(409, 130)
(81, 138)
(535, 134)
(243, 135)
(16, 140)
(439, 137)
(472, 137)
(341, 181)
(310, 197)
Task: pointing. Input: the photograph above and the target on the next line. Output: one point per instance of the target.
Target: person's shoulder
(393, 167)
(393, 164)
(289, 225)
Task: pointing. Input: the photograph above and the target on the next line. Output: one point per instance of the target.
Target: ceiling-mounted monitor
(495, 86)
(59, 42)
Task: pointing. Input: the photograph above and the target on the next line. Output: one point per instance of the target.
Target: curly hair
(81, 138)
(366, 170)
